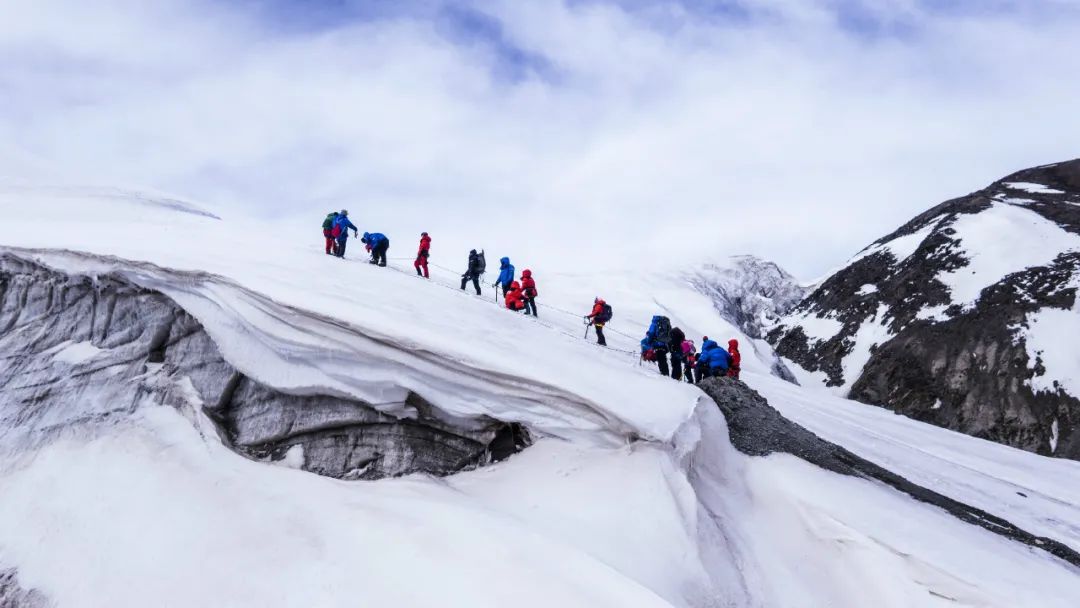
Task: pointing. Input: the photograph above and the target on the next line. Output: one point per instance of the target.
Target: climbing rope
(457, 288)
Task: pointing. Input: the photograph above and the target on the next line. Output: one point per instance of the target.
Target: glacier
(123, 482)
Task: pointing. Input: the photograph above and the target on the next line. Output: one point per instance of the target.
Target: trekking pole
(587, 326)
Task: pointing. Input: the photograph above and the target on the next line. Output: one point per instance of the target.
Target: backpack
(662, 331)
(328, 223)
(481, 263)
(605, 314)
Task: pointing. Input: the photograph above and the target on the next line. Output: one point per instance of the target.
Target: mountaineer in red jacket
(515, 300)
(528, 291)
(736, 358)
(601, 314)
(422, 255)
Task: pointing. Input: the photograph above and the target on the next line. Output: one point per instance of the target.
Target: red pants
(421, 263)
(329, 242)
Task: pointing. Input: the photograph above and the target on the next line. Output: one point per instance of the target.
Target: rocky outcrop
(893, 328)
(12, 595)
(84, 351)
(757, 429)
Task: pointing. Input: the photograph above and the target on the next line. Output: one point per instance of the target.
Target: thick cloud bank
(586, 132)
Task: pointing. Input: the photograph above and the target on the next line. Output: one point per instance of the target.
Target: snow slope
(632, 495)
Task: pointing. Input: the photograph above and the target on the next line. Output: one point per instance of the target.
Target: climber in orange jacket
(515, 299)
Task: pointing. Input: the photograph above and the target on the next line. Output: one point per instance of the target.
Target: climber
(477, 266)
(515, 300)
(713, 361)
(506, 275)
(657, 340)
(601, 314)
(528, 291)
(422, 255)
(690, 358)
(735, 358)
(379, 246)
(677, 359)
(342, 225)
(328, 232)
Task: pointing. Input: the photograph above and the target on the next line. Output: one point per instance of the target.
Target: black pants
(530, 306)
(661, 360)
(378, 254)
(676, 367)
(475, 281)
(600, 334)
(339, 249)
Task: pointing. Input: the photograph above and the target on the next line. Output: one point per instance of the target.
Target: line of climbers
(517, 295)
(662, 340)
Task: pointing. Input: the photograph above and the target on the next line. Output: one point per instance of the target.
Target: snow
(933, 313)
(867, 289)
(150, 508)
(902, 247)
(872, 332)
(1001, 241)
(815, 327)
(1043, 342)
(1033, 188)
(75, 353)
(1054, 436)
(981, 473)
(187, 523)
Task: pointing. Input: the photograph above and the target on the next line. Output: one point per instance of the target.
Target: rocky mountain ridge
(959, 317)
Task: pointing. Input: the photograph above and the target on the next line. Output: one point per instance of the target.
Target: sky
(588, 134)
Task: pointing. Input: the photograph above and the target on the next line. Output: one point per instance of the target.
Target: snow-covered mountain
(750, 292)
(964, 317)
(174, 379)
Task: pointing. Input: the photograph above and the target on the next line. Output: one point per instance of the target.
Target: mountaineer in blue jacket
(657, 343)
(340, 231)
(506, 275)
(379, 246)
(713, 360)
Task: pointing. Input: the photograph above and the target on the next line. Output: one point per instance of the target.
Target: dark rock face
(965, 368)
(83, 351)
(757, 429)
(12, 595)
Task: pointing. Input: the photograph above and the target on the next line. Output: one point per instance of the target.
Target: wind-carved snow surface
(631, 496)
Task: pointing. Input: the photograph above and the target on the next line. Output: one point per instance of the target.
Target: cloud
(582, 133)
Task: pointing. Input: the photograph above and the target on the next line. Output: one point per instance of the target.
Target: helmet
(423, 234)
(345, 212)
